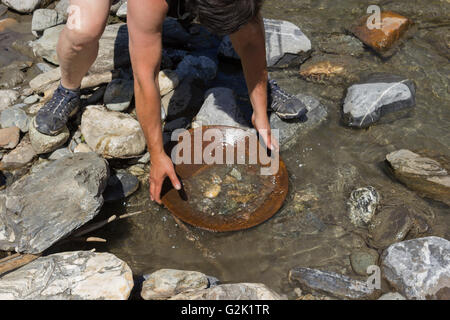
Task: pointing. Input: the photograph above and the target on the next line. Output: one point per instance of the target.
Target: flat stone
(25, 6)
(44, 19)
(341, 44)
(31, 99)
(220, 108)
(44, 206)
(112, 134)
(366, 102)
(419, 268)
(9, 138)
(330, 283)
(290, 132)
(200, 68)
(286, 44)
(120, 186)
(361, 259)
(382, 38)
(77, 275)
(118, 94)
(235, 291)
(22, 155)
(392, 296)
(362, 205)
(43, 143)
(391, 225)
(166, 283)
(7, 98)
(14, 117)
(425, 175)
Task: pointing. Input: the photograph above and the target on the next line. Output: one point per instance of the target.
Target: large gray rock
(22, 155)
(44, 206)
(113, 51)
(44, 19)
(118, 94)
(7, 98)
(25, 6)
(14, 117)
(285, 44)
(362, 205)
(419, 268)
(165, 283)
(78, 275)
(330, 283)
(235, 291)
(43, 143)
(112, 134)
(425, 175)
(291, 131)
(220, 108)
(366, 102)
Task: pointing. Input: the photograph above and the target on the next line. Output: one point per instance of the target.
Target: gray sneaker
(53, 116)
(285, 105)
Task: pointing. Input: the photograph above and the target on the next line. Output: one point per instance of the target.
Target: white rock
(82, 147)
(392, 296)
(43, 19)
(43, 143)
(122, 12)
(168, 81)
(7, 98)
(362, 205)
(25, 6)
(78, 275)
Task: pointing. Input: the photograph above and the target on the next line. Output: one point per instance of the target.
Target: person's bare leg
(77, 46)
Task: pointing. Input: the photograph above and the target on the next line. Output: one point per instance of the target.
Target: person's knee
(86, 35)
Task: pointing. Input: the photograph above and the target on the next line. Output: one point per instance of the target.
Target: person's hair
(224, 17)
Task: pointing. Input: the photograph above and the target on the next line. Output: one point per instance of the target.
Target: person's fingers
(152, 190)
(265, 134)
(174, 179)
(157, 191)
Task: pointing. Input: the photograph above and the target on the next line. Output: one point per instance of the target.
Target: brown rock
(6, 23)
(20, 156)
(9, 137)
(393, 27)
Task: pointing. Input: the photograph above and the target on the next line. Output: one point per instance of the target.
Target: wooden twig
(17, 261)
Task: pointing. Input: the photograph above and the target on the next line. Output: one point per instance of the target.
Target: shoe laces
(60, 104)
(277, 92)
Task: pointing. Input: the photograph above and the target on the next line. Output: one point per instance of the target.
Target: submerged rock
(366, 102)
(422, 174)
(44, 206)
(9, 138)
(120, 186)
(77, 275)
(419, 268)
(391, 225)
(43, 143)
(44, 19)
(330, 283)
(392, 296)
(112, 134)
(118, 94)
(361, 259)
(22, 155)
(286, 44)
(235, 291)
(166, 283)
(381, 38)
(362, 205)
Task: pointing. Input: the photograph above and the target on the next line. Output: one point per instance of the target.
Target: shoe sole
(56, 132)
(290, 116)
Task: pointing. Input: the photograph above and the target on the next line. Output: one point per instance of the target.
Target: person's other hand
(261, 123)
(161, 167)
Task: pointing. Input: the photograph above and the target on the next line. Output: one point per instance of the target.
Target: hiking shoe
(52, 118)
(285, 105)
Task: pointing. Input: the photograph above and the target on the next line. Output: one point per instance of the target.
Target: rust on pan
(178, 201)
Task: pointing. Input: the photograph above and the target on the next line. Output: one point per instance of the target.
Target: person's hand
(161, 167)
(261, 123)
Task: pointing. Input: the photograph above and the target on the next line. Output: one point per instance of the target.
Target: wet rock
(9, 138)
(440, 40)
(112, 134)
(419, 268)
(113, 47)
(44, 19)
(3, 9)
(120, 186)
(77, 275)
(22, 155)
(220, 108)
(58, 154)
(341, 44)
(291, 131)
(25, 6)
(366, 102)
(362, 205)
(122, 12)
(422, 174)
(392, 296)
(166, 283)
(382, 38)
(7, 23)
(200, 68)
(14, 117)
(168, 81)
(285, 44)
(44, 206)
(235, 291)
(361, 259)
(7, 98)
(118, 94)
(330, 283)
(43, 143)
(82, 147)
(389, 226)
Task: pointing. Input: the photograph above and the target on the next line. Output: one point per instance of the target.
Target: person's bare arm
(145, 19)
(250, 45)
